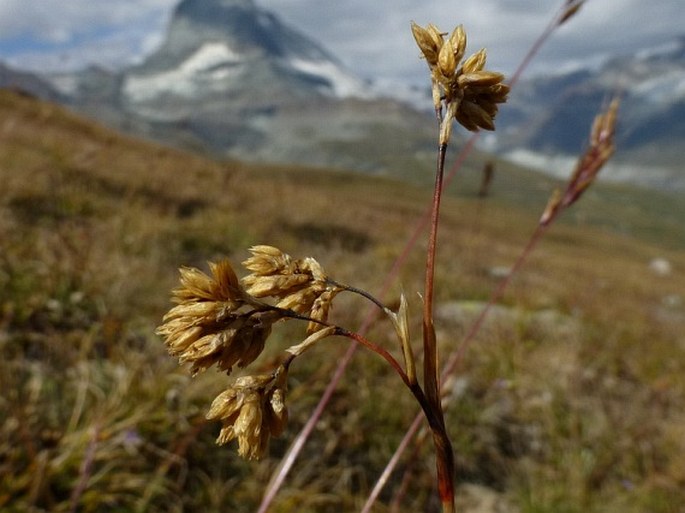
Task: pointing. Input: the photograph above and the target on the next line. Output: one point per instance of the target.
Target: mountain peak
(240, 25)
(198, 5)
(232, 48)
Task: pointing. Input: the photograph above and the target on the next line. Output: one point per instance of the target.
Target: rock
(660, 266)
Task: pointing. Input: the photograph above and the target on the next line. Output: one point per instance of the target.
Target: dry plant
(225, 321)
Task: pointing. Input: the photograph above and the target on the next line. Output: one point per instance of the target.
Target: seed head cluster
(300, 285)
(251, 410)
(470, 92)
(601, 147)
(210, 325)
(223, 321)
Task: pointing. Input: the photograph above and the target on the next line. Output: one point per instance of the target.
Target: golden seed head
(278, 412)
(299, 285)
(598, 153)
(267, 260)
(436, 35)
(472, 116)
(251, 410)
(274, 285)
(458, 41)
(312, 339)
(446, 61)
(208, 326)
(570, 10)
(552, 207)
(320, 309)
(479, 78)
(472, 92)
(476, 62)
(428, 42)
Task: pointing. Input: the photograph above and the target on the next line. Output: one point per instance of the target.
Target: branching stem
(358, 291)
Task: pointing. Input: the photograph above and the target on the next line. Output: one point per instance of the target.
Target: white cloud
(74, 33)
(371, 37)
(41, 18)
(374, 37)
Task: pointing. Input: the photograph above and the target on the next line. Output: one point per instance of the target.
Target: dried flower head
(217, 321)
(469, 92)
(208, 325)
(571, 8)
(300, 285)
(252, 410)
(590, 163)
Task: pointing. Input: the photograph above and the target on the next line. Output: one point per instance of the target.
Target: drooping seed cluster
(221, 320)
(469, 92)
(251, 410)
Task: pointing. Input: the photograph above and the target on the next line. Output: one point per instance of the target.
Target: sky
(372, 38)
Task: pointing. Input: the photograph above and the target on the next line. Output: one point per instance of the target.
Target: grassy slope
(583, 413)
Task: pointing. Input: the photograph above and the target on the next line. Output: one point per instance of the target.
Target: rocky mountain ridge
(233, 80)
(547, 118)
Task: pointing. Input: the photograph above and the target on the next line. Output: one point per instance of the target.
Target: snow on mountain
(548, 117)
(655, 76)
(662, 89)
(207, 68)
(341, 83)
(232, 79)
(232, 46)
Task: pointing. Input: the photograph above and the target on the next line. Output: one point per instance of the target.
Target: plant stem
(452, 364)
(355, 290)
(430, 360)
(413, 429)
(379, 351)
(443, 447)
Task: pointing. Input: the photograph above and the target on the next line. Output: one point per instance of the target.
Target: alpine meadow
(470, 336)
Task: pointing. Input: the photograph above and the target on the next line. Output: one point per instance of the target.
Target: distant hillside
(28, 83)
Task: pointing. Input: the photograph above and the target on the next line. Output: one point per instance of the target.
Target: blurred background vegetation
(571, 400)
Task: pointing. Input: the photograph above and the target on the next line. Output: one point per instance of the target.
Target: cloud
(370, 37)
(41, 19)
(373, 37)
(49, 34)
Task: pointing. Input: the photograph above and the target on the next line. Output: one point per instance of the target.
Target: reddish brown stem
(451, 365)
(376, 349)
(430, 360)
(288, 461)
(434, 420)
(443, 448)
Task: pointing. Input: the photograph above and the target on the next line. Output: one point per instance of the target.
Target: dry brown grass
(577, 408)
